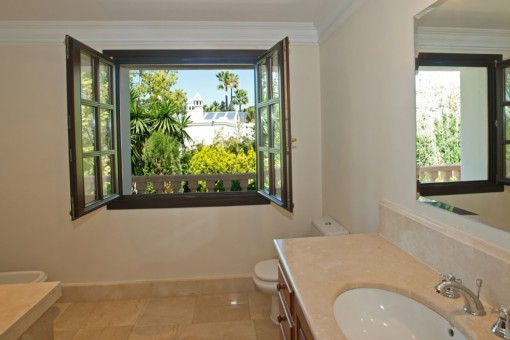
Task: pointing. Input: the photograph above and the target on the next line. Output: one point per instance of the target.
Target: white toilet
(266, 272)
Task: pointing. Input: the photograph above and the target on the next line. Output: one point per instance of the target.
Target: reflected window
(456, 123)
(451, 124)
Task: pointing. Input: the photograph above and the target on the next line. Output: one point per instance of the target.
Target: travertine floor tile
(221, 308)
(61, 307)
(266, 330)
(64, 335)
(241, 330)
(233, 316)
(238, 330)
(162, 332)
(168, 311)
(104, 333)
(74, 316)
(260, 305)
(115, 313)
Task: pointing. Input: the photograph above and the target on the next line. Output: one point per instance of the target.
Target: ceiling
(321, 13)
(490, 14)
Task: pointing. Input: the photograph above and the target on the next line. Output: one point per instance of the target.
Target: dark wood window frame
(488, 61)
(503, 102)
(76, 102)
(205, 59)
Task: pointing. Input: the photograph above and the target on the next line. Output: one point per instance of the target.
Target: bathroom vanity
(26, 310)
(291, 320)
(313, 272)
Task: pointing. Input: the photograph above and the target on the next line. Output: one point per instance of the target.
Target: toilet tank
(327, 226)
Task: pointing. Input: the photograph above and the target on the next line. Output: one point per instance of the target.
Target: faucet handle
(501, 327)
(449, 292)
(449, 277)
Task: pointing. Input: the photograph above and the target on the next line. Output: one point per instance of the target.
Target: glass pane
(507, 84)
(264, 128)
(277, 129)
(87, 75)
(265, 160)
(507, 164)
(88, 128)
(104, 83)
(106, 164)
(263, 90)
(278, 175)
(106, 130)
(89, 179)
(506, 115)
(275, 77)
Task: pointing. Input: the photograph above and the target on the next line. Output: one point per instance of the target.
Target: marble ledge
(321, 268)
(21, 305)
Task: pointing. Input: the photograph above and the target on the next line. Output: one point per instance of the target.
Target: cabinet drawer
(285, 290)
(285, 323)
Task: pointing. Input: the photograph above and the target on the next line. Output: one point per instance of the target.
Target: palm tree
(182, 135)
(234, 83)
(226, 78)
(214, 107)
(140, 128)
(164, 117)
(241, 98)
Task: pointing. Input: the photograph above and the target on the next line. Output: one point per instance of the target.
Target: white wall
(36, 231)
(367, 81)
(368, 119)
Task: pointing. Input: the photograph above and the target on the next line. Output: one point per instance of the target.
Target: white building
(205, 126)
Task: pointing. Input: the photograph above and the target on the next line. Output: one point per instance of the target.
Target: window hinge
(496, 123)
(70, 156)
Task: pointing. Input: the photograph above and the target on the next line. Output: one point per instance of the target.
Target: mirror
(451, 115)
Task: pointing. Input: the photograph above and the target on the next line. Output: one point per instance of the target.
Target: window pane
(106, 130)
(104, 83)
(265, 162)
(275, 76)
(507, 84)
(89, 179)
(278, 175)
(277, 131)
(507, 164)
(506, 115)
(264, 128)
(106, 164)
(87, 89)
(263, 90)
(88, 128)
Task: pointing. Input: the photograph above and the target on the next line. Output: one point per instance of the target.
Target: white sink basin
(370, 313)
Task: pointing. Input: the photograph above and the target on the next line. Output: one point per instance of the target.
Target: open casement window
(503, 88)
(273, 126)
(92, 128)
(99, 114)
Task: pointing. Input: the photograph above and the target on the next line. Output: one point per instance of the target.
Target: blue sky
(205, 83)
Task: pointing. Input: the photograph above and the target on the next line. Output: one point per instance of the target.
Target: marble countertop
(321, 268)
(22, 304)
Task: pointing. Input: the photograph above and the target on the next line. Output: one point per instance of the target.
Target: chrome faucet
(502, 326)
(473, 305)
(449, 292)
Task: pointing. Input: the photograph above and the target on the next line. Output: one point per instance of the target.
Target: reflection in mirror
(458, 144)
(451, 124)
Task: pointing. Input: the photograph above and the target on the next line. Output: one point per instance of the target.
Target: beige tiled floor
(235, 316)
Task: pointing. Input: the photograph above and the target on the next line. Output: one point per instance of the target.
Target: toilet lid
(267, 270)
